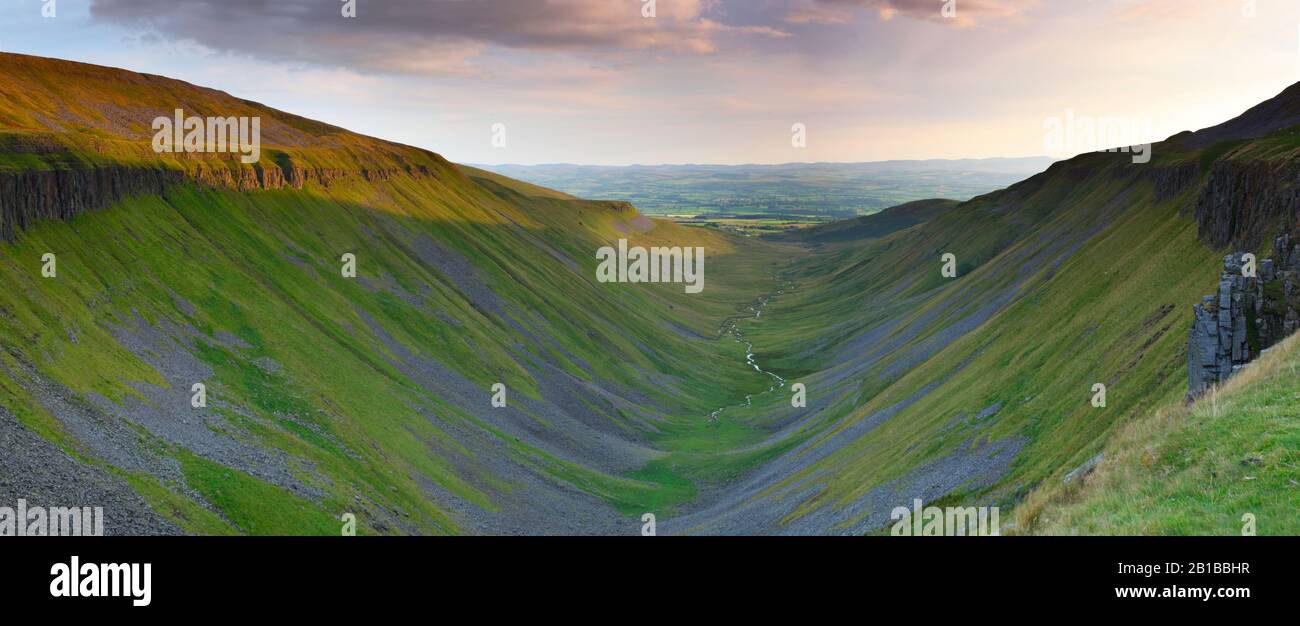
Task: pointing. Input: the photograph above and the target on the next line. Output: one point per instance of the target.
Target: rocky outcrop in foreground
(1248, 314)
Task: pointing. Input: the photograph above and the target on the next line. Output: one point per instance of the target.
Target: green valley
(328, 395)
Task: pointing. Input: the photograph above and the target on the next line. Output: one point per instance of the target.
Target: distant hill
(821, 190)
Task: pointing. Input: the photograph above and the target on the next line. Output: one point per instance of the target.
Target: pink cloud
(1179, 9)
(963, 12)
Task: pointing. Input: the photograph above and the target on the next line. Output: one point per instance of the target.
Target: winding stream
(729, 328)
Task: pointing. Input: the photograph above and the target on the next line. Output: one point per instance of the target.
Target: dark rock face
(1247, 315)
(1242, 201)
(1172, 181)
(1219, 342)
(26, 197)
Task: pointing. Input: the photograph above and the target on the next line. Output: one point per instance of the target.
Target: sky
(617, 82)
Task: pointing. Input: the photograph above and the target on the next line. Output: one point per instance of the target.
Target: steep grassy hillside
(328, 394)
(1229, 461)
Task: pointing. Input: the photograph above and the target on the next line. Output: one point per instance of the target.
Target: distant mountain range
(817, 190)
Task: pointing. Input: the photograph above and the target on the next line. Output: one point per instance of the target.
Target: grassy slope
(264, 267)
(60, 115)
(1114, 311)
(1099, 277)
(1199, 469)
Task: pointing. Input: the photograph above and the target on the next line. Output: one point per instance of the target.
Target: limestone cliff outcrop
(1247, 315)
(1242, 201)
(26, 197)
(29, 196)
(1171, 181)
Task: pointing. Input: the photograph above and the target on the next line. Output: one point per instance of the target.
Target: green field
(802, 191)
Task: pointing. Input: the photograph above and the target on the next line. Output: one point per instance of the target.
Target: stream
(729, 328)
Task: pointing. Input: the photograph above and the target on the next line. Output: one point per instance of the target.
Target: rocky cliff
(1253, 309)
(26, 197)
(1243, 200)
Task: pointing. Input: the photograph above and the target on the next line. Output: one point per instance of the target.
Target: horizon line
(754, 164)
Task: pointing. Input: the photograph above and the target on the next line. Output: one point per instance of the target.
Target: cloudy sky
(702, 81)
